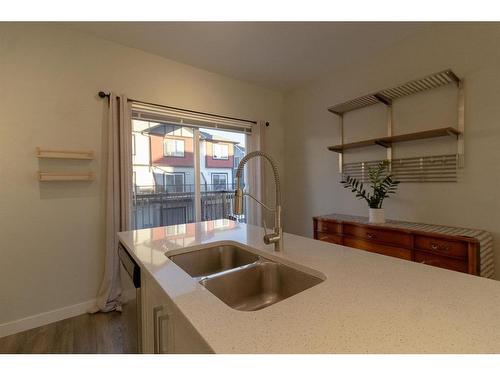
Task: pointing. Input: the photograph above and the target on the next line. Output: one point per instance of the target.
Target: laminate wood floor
(101, 333)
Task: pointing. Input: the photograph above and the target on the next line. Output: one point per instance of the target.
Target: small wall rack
(64, 154)
(387, 97)
(56, 176)
(68, 155)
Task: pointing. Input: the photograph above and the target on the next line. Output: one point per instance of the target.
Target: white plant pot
(376, 215)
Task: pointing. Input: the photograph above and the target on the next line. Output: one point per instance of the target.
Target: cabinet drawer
(329, 227)
(440, 246)
(333, 238)
(440, 261)
(379, 235)
(373, 247)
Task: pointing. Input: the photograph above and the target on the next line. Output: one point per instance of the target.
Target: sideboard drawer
(379, 235)
(329, 227)
(333, 238)
(378, 248)
(441, 246)
(440, 261)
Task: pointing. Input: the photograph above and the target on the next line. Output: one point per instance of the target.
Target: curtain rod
(103, 94)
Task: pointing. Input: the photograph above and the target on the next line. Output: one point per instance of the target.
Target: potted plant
(382, 185)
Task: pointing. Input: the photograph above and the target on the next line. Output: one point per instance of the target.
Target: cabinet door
(165, 329)
(152, 309)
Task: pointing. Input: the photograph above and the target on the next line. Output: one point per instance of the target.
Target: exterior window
(174, 182)
(219, 181)
(133, 144)
(173, 147)
(221, 151)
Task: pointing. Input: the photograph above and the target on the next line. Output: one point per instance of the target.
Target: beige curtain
(255, 174)
(118, 198)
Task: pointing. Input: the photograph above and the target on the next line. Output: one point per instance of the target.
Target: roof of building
(163, 129)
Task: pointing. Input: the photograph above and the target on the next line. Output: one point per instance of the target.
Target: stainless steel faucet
(277, 236)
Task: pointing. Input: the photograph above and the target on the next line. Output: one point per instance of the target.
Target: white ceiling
(278, 55)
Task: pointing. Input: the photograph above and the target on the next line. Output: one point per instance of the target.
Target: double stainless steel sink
(241, 279)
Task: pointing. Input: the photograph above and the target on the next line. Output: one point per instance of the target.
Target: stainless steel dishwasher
(134, 271)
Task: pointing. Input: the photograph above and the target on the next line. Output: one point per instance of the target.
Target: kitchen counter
(368, 303)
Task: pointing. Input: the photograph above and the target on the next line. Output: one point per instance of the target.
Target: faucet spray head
(238, 201)
(238, 195)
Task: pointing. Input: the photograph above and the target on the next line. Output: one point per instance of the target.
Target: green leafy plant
(382, 185)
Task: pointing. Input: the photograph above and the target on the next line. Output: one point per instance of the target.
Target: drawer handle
(435, 246)
(371, 236)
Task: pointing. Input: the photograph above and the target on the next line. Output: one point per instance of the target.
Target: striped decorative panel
(439, 168)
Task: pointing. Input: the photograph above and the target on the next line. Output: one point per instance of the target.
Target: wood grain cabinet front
(374, 247)
(389, 237)
(441, 246)
(454, 252)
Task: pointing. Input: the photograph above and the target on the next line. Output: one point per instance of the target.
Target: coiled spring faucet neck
(277, 236)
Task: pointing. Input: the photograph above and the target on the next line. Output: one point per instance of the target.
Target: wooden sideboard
(429, 244)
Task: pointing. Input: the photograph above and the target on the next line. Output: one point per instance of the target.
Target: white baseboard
(48, 317)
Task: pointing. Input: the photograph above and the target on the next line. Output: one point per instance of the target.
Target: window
(219, 181)
(173, 147)
(180, 188)
(221, 151)
(174, 182)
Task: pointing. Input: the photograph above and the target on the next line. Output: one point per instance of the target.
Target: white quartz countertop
(369, 303)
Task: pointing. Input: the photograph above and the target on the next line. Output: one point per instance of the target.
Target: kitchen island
(366, 303)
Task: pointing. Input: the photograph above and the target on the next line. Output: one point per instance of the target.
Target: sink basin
(213, 260)
(258, 285)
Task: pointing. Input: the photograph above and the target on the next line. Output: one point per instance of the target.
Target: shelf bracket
(341, 133)
(383, 144)
(389, 134)
(381, 98)
(461, 124)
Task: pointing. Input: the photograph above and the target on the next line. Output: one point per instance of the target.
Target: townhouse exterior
(163, 173)
(163, 158)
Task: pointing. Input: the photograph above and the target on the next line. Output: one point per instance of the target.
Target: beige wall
(473, 52)
(51, 239)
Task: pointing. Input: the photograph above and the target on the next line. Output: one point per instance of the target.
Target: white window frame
(221, 145)
(165, 175)
(212, 175)
(177, 153)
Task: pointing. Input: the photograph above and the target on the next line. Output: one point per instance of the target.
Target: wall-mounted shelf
(64, 154)
(53, 176)
(386, 96)
(388, 141)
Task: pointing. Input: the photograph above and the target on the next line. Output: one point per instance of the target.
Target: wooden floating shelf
(64, 154)
(388, 141)
(53, 176)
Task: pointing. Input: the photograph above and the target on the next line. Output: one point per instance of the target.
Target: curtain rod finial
(103, 94)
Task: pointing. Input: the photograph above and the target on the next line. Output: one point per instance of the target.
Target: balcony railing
(161, 205)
